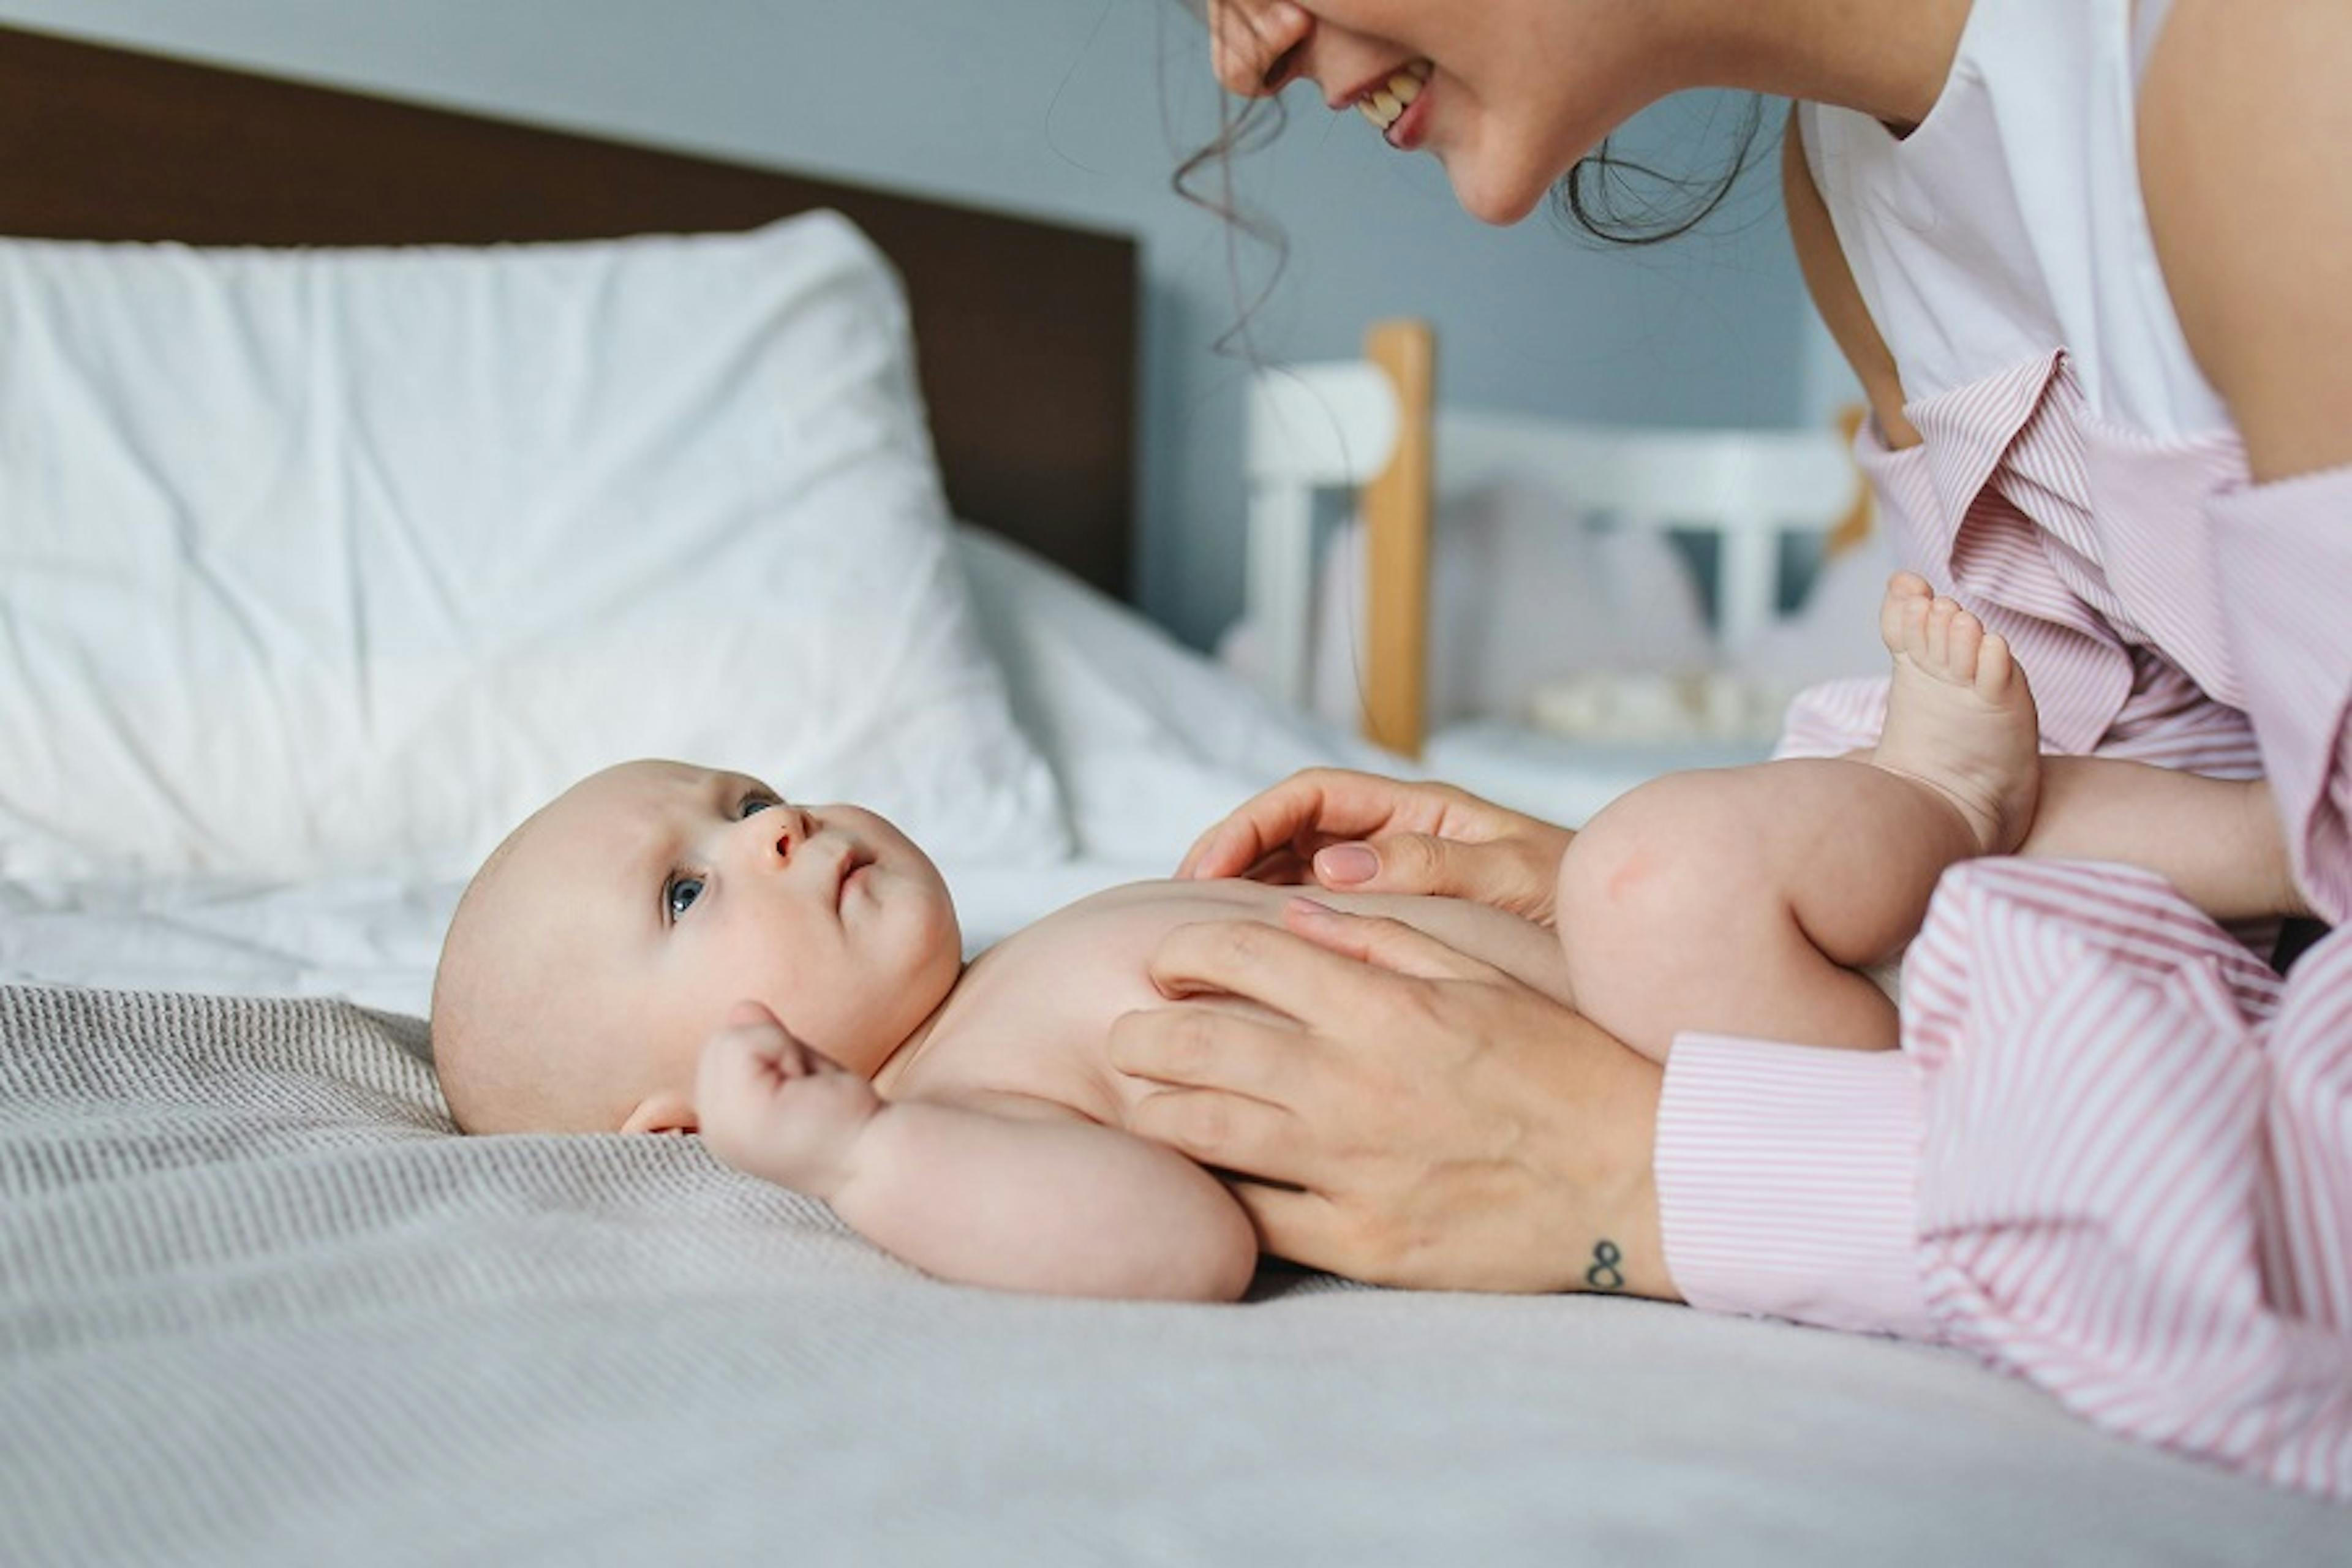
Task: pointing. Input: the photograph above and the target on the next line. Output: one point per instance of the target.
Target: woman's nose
(1254, 45)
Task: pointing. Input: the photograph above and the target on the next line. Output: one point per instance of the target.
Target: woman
(2093, 264)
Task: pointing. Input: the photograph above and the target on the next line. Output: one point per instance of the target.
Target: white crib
(1373, 427)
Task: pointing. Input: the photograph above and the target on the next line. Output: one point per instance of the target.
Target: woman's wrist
(1596, 1103)
(1626, 1254)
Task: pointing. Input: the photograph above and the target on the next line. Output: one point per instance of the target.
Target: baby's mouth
(1386, 104)
(851, 864)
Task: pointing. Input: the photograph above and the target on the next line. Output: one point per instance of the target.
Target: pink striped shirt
(2114, 1155)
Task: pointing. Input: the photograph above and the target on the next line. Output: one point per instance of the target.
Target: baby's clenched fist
(776, 1107)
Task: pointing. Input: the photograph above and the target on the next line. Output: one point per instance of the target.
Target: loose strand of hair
(1257, 125)
(1599, 195)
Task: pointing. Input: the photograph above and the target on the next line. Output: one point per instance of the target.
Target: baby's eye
(679, 896)
(753, 804)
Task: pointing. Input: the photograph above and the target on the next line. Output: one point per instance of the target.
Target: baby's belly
(1033, 1015)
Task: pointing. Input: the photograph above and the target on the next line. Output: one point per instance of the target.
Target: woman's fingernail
(1347, 863)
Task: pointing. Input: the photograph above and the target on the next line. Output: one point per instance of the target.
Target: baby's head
(609, 935)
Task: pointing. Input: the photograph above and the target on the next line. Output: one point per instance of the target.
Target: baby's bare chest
(1033, 1015)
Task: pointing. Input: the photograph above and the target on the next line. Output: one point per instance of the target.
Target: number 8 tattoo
(1604, 1275)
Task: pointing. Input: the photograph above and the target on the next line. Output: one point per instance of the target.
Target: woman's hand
(1430, 1120)
(1361, 833)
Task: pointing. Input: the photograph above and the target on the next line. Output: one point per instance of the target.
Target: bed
(259, 1301)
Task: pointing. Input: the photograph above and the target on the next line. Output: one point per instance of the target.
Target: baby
(964, 1117)
(670, 949)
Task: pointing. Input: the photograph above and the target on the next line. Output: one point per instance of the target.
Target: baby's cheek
(928, 964)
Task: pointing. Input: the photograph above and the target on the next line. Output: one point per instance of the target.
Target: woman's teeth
(1384, 105)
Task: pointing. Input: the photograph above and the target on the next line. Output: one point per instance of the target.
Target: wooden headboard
(1026, 331)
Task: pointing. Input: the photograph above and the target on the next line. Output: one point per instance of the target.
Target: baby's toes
(1915, 628)
(1995, 669)
(1960, 654)
(1892, 610)
(1939, 633)
(1905, 591)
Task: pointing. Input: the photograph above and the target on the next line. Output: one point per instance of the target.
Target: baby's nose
(784, 827)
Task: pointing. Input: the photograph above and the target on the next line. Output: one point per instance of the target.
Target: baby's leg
(2218, 841)
(1742, 901)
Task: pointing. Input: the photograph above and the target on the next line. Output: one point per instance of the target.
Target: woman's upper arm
(2245, 149)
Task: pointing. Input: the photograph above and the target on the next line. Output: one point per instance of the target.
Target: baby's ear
(663, 1113)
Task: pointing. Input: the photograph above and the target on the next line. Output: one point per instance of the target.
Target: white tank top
(2009, 223)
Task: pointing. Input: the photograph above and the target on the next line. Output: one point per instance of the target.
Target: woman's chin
(1500, 203)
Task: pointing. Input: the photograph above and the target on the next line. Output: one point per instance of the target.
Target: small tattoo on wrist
(1605, 1274)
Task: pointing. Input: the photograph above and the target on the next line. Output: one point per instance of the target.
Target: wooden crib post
(1396, 518)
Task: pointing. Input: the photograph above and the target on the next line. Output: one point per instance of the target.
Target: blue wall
(1076, 111)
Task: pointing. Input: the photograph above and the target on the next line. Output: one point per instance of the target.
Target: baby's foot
(1959, 719)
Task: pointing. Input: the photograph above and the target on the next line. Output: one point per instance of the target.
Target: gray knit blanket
(258, 1303)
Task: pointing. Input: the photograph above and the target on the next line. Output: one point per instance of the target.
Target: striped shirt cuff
(1786, 1182)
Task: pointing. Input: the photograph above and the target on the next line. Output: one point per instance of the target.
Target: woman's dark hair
(1205, 179)
(1624, 203)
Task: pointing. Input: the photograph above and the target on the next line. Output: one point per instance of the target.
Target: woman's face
(1507, 94)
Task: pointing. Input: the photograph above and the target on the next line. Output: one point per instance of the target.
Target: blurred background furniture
(1543, 611)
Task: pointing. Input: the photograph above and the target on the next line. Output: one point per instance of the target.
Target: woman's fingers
(1388, 944)
(1286, 868)
(1518, 873)
(1356, 832)
(1294, 1224)
(1228, 1131)
(1329, 803)
(1265, 964)
(1203, 1045)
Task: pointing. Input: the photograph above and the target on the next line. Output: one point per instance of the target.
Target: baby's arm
(2217, 840)
(1006, 1191)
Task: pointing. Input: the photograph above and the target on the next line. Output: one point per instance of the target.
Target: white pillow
(334, 562)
